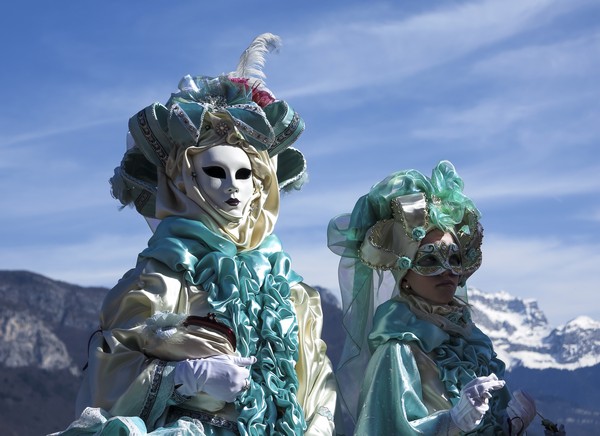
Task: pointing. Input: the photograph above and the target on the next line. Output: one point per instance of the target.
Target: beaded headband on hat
(391, 244)
(210, 110)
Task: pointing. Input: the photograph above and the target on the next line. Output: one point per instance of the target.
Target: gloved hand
(474, 401)
(521, 411)
(557, 430)
(224, 377)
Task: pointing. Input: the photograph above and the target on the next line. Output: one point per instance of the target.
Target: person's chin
(440, 299)
(446, 292)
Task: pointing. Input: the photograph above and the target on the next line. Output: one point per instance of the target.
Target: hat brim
(291, 169)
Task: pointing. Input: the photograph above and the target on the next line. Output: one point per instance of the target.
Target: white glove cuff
(465, 416)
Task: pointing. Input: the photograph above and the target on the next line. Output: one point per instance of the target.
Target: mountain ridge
(522, 336)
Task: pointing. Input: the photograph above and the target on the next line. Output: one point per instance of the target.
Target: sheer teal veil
(366, 281)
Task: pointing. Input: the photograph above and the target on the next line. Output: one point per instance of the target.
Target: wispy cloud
(33, 138)
(563, 59)
(481, 120)
(525, 182)
(344, 52)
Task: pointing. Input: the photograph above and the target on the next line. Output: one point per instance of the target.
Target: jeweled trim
(187, 122)
(161, 153)
(176, 413)
(142, 199)
(248, 107)
(289, 130)
(154, 388)
(247, 130)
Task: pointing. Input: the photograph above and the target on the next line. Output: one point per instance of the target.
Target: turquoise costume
(417, 356)
(250, 293)
(420, 368)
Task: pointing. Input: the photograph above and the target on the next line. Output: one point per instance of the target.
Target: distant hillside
(44, 329)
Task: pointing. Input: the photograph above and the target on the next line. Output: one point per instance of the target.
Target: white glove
(224, 377)
(474, 402)
(521, 411)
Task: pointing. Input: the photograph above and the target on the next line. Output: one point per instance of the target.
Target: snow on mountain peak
(522, 337)
(582, 323)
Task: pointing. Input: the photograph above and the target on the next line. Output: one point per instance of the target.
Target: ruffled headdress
(378, 242)
(235, 109)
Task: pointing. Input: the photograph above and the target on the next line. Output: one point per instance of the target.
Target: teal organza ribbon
(250, 292)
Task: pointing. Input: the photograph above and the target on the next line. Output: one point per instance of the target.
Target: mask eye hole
(215, 172)
(243, 174)
(428, 261)
(454, 260)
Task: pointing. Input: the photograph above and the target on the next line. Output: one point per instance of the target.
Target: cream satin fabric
(121, 352)
(317, 386)
(390, 239)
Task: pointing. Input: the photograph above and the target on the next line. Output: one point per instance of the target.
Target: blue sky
(507, 90)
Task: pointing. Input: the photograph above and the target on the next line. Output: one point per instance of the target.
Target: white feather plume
(252, 60)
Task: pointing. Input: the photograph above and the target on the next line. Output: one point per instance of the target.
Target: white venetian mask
(224, 175)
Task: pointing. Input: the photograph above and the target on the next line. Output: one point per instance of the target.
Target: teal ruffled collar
(459, 359)
(250, 292)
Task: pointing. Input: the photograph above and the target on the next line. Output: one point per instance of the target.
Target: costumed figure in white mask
(212, 332)
(406, 250)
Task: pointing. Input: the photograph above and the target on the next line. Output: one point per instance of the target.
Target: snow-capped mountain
(522, 337)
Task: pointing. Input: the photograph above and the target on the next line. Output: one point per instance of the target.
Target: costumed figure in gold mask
(406, 250)
(212, 332)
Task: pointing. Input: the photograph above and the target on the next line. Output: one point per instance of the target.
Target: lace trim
(324, 411)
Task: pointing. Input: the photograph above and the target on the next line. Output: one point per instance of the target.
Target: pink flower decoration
(260, 97)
